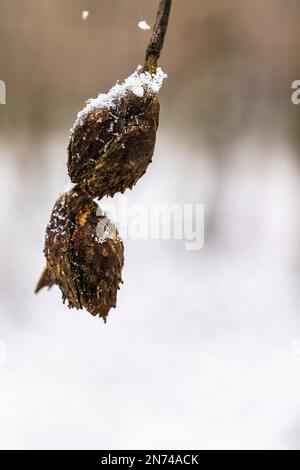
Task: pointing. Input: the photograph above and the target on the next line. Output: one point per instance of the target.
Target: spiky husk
(84, 254)
(110, 149)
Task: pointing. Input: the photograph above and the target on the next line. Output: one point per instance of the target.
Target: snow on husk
(136, 83)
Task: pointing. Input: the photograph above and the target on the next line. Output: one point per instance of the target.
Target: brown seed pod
(113, 139)
(112, 143)
(84, 254)
(111, 146)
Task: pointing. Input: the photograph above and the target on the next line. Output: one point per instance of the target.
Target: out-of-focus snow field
(203, 350)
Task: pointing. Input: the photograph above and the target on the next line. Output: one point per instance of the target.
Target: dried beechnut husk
(84, 254)
(113, 139)
(111, 145)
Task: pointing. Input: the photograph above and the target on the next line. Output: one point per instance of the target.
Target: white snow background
(201, 351)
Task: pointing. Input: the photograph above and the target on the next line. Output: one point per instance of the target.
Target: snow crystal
(138, 91)
(136, 82)
(57, 224)
(85, 14)
(105, 230)
(143, 25)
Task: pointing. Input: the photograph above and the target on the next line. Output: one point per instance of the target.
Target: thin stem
(157, 39)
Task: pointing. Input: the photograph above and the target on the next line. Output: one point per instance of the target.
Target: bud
(113, 139)
(84, 254)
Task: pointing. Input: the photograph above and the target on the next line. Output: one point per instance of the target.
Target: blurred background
(203, 349)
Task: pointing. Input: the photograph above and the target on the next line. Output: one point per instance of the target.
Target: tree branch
(157, 39)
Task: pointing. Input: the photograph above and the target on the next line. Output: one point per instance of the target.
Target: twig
(157, 39)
